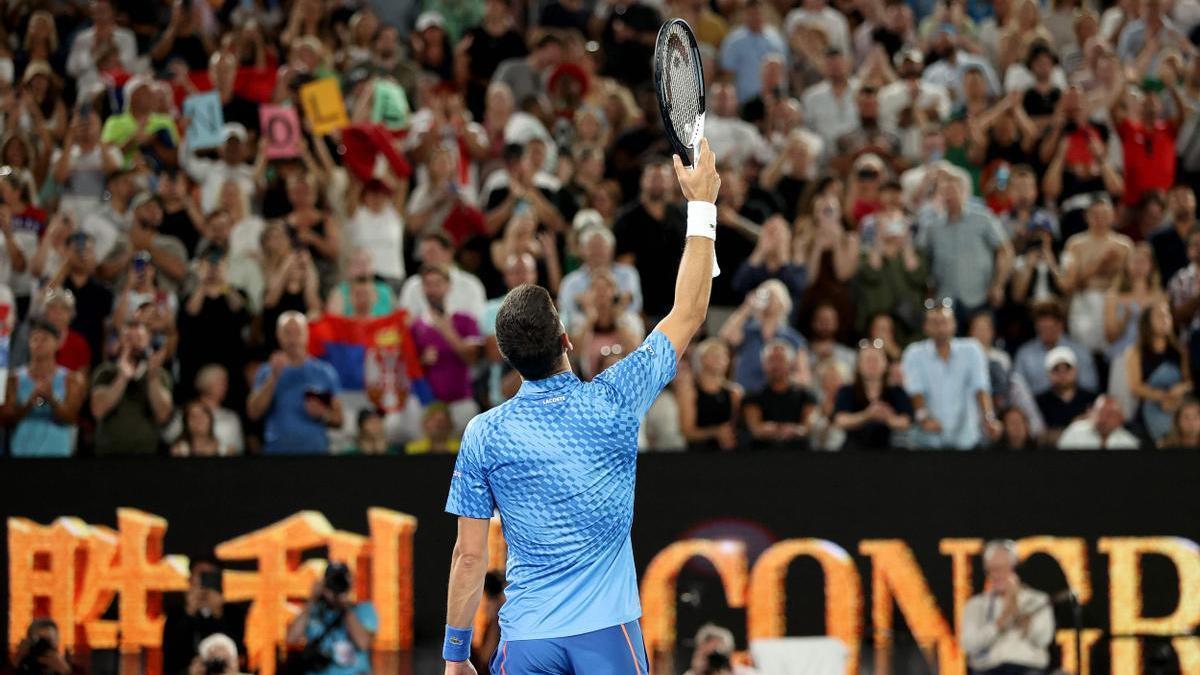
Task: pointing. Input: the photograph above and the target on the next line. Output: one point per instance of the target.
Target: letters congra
(76, 571)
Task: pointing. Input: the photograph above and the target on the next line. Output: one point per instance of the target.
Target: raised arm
(694, 282)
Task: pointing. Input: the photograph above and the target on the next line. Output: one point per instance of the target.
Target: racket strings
(682, 82)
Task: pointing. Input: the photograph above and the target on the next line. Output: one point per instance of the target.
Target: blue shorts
(617, 650)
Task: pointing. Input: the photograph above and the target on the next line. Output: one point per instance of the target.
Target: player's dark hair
(529, 333)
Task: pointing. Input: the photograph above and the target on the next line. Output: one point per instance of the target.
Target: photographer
(337, 632)
(216, 655)
(203, 616)
(38, 652)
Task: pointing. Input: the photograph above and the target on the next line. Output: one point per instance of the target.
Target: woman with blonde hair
(709, 402)
(1137, 286)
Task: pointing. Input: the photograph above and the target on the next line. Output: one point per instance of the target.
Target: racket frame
(685, 150)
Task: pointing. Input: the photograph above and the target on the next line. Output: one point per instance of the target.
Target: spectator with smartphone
(295, 394)
(93, 300)
(336, 630)
(203, 614)
(39, 654)
(211, 323)
(131, 395)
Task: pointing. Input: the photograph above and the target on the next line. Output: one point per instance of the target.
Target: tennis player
(559, 460)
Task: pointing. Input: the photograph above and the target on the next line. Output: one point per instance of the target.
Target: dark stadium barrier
(878, 549)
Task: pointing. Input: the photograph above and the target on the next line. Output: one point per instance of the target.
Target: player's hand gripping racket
(679, 82)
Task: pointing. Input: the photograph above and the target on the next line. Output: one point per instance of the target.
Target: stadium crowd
(942, 223)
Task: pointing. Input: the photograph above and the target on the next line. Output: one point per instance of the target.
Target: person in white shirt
(466, 294)
(733, 139)
(834, 22)
(211, 174)
(1101, 430)
(104, 30)
(1007, 630)
(909, 91)
(829, 105)
(377, 226)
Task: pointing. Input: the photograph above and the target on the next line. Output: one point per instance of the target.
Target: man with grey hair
(714, 645)
(296, 393)
(1007, 629)
(779, 414)
(596, 246)
(216, 654)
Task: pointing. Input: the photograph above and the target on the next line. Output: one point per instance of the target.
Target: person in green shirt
(131, 397)
(138, 129)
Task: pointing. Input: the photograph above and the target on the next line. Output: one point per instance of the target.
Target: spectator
(526, 75)
(295, 394)
(1185, 427)
(199, 437)
(950, 64)
(466, 293)
(604, 326)
(901, 101)
(1010, 626)
(1184, 293)
(312, 228)
(211, 325)
(1066, 400)
(141, 132)
(822, 341)
(970, 256)
(212, 175)
(1157, 370)
(377, 228)
(81, 164)
(93, 299)
(597, 244)
(830, 107)
(43, 399)
(832, 255)
(871, 411)
(1148, 129)
(292, 284)
(360, 269)
(892, 276)
(946, 378)
(437, 437)
(212, 386)
(1102, 429)
(1151, 30)
(714, 647)
(709, 402)
(371, 436)
(761, 318)
(1031, 361)
(141, 289)
(131, 395)
(182, 218)
(1092, 260)
(339, 629)
(1171, 241)
(778, 414)
(1137, 287)
(39, 653)
(58, 308)
(648, 232)
(1018, 435)
(773, 258)
(521, 236)
(441, 202)
(732, 138)
(216, 654)
(166, 254)
(204, 614)
(448, 342)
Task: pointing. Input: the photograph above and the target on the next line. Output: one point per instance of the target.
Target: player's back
(559, 461)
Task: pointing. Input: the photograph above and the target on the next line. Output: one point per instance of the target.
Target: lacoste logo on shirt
(556, 399)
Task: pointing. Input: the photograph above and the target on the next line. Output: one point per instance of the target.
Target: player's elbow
(469, 560)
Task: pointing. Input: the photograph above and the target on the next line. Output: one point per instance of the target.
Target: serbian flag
(376, 355)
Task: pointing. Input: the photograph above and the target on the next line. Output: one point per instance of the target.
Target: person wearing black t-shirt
(93, 300)
(487, 45)
(1064, 401)
(870, 410)
(778, 415)
(648, 234)
(180, 214)
(202, 614)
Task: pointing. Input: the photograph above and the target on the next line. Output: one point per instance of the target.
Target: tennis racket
(679, 81)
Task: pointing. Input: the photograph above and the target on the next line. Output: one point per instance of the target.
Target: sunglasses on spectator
(945, 303)
(870, 344)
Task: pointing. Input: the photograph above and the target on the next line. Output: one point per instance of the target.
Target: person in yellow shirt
(437, 428)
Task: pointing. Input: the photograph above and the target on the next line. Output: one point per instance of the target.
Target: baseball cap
(1060, 355)
(1041, 221)
(430, 19)
(234, 130)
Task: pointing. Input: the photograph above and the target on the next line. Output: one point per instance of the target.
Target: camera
(337, 578)
(718, 663)
(215, 666)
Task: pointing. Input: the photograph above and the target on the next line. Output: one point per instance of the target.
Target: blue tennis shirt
(559, 461)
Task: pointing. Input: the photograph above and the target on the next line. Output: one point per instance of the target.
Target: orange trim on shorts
(637, 667)
(504, 658)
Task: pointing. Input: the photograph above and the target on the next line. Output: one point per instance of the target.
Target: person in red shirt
(58, 308)
(1147, 136)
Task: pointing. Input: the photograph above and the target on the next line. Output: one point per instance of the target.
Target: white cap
(234, 130)
(586, 218)
(1059, 355)
(429, 19)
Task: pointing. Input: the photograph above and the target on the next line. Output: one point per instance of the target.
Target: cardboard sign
(323, 106)
(206, 120)
(281, 129)
(389, 105)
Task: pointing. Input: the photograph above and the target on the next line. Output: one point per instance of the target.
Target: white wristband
(702, 222)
